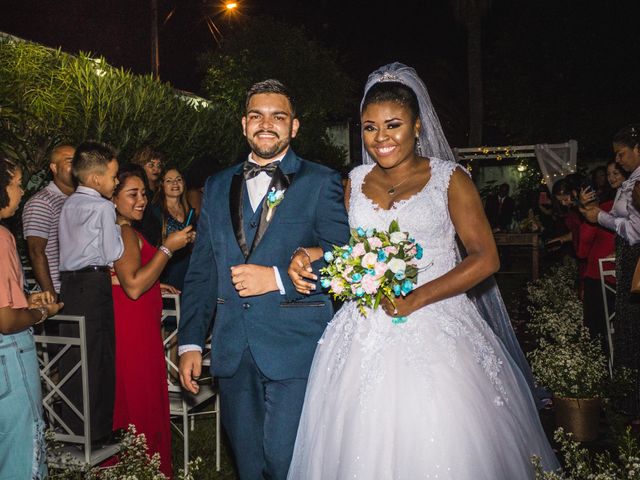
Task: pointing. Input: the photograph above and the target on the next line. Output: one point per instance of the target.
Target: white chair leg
(217, 433)
(185, 429)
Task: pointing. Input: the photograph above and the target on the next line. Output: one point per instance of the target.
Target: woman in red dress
(141, 396)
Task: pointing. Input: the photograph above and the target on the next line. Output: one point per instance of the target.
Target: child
(90, 242)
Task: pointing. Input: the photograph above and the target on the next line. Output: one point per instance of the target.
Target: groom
(254, 216)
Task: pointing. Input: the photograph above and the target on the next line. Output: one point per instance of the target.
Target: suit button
(253, 224)
(246, 306)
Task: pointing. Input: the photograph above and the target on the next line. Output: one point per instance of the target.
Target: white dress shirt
(87, 231)
(624, 219)
(257, 188)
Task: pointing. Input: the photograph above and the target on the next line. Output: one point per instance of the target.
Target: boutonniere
(274, 198)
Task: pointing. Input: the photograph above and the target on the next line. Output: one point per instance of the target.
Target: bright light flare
(231, 5)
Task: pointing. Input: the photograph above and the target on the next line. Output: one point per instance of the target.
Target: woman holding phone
(624, 220)
(174, 213)
(141, 396)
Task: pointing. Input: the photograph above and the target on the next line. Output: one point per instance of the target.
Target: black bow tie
(252, 170)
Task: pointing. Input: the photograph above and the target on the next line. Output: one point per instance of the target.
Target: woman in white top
(624, 219)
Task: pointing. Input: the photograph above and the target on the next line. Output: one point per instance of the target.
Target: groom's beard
(272, 151)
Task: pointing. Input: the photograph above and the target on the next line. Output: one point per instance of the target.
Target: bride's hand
(299, 270)
(404, 306)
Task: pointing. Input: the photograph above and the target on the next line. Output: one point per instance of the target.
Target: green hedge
(47, 96)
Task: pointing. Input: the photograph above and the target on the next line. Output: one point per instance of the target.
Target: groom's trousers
(261, 419)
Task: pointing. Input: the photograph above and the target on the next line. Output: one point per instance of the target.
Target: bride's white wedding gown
(435, 397)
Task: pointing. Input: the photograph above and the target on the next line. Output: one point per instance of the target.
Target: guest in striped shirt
(40, 220)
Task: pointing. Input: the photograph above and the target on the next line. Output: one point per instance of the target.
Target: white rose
(397, 265)
(397, 237)
(369, 260)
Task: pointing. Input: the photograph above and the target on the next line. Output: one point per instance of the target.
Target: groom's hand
(250, 280)
(190, 367)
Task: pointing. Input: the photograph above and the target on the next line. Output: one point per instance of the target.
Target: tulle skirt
(435, 397)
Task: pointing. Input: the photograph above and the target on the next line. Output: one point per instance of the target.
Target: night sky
(553, 69)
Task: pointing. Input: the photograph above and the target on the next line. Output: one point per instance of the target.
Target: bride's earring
(418, 146)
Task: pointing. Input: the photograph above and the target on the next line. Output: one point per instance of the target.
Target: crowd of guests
(600, 217)
(104, 240)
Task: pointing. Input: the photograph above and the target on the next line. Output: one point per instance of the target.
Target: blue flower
(369, 232)
(419, 251)
(274, 197)
(349, 248)
(400, 275)
(360, 231)
(382, 255)
(345, 255)
(359, 292)
(325, 282)
(328, 256)
(396, 290)
(356, 277)
(397, 320)
(407, 286)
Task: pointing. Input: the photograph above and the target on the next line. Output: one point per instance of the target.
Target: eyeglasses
(153, 164)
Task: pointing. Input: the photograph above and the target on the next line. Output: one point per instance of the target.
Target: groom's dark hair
(270, 86)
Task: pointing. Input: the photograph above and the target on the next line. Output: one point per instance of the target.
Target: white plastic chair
(182, 404)
(70, 455)
(607, 290)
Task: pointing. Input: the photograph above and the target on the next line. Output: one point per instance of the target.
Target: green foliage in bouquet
(374, 264)
(580, 465)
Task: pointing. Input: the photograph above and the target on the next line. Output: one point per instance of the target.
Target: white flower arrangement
(566, 360)
(580, 465)
(134, 462)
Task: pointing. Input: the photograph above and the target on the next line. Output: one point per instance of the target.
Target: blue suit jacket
(281, 330)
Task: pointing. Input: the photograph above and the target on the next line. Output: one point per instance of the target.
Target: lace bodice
(434, 332)
(425, 216)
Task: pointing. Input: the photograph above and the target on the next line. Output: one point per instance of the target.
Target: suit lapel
(279, 181)
(236, 207)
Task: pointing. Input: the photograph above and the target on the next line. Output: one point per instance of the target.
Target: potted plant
(576, 372)
(566, 360)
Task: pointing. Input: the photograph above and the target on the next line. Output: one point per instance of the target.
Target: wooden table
(531, 240)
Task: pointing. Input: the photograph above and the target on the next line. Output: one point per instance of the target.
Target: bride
(437, 396)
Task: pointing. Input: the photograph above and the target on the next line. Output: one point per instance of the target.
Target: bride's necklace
(391, 191)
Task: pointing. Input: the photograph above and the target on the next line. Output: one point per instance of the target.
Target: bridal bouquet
(374, 264)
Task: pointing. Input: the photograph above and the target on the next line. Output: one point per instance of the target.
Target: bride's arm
(471, 225)
(300, 266)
